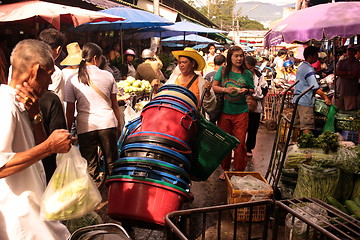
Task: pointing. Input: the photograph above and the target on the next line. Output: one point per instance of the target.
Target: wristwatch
(37, 119)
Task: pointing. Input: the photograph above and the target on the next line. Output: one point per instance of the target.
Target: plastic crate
(347, 121)
(240, 196)
(350, 136)
(205, 160)
(321, 107)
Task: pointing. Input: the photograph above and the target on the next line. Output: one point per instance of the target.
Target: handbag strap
(100, 92)
(192, 81)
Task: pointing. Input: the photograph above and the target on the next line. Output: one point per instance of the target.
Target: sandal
(222, 176)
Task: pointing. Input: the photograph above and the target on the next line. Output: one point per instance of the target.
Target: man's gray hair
(29, 52)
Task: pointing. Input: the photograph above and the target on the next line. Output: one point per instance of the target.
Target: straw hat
(192, 53)
(74, 56)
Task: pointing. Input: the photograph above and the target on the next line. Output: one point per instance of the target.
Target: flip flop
(222, 176)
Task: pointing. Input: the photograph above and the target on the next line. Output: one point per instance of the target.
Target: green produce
(316, 182)
(345, 186)
(353, 208)
(134, 85)
(357, 201)
(333, 202)
(307, 140)
(356, 190)
(329, 141)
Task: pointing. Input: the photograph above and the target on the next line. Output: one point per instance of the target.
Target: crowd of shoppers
(44, 103)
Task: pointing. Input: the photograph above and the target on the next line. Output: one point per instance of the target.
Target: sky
(276, 2)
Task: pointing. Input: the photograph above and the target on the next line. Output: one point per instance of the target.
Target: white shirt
(68, 72)
(21, 192)
(94, 113)
(58, 83)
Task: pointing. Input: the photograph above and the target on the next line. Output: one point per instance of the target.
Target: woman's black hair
(89, 50)
(226, 70)
(250, 60)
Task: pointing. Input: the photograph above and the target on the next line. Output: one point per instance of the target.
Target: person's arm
(323, 95)
(70, 110)
(115, 108)
(58, 142)
(343, 72)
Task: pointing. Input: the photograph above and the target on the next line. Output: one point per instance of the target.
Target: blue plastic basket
(152, 174)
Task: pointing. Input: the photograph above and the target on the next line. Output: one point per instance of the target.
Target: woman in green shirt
(235, 81)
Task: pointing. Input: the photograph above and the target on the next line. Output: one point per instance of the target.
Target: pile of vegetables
(327, 141)
(316, 182)
(323, 151)
(352, 207)
(130, 84)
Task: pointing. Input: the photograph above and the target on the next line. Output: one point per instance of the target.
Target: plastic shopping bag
(330, 120)
(71, 193)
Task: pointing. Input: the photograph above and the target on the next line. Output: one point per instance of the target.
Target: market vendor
(189, 62)
(150, 69)
(304, 117)
(347, 90)
(23, 144)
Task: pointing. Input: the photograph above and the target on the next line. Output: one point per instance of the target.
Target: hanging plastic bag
(330, 119)
(71, 193)
(130, 114)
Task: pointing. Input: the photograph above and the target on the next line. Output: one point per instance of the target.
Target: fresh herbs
(328, 141)
(307, 140)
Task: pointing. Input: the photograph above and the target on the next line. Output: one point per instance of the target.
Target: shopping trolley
(283, 136)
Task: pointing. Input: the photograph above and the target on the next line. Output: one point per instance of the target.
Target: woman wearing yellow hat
(189, 61)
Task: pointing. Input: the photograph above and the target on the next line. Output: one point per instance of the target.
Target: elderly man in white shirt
(23, 145)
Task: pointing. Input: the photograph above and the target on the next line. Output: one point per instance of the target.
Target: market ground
(207, 193)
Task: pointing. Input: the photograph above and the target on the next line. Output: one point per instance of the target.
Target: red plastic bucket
(143, 200)
(168, 120)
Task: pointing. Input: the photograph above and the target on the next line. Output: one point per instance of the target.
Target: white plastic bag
(71, 193)
(130, 114)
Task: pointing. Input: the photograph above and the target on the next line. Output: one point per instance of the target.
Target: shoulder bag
(215, 114)
(100, 92)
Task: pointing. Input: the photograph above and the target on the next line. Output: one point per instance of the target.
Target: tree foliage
(221, 12)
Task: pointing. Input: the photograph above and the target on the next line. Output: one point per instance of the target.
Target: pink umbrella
(321, 21)
(52, 13)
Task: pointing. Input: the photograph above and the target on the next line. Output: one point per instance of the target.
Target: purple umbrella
(321, 21)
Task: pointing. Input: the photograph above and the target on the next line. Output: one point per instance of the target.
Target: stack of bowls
(151, 177)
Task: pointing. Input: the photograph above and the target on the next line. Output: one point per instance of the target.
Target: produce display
(132, 85)
(322, 167)
(350, 207)
(316, 182)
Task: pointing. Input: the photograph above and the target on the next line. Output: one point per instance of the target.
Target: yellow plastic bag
(71, 193)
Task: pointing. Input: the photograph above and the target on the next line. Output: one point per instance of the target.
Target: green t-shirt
(235, 103)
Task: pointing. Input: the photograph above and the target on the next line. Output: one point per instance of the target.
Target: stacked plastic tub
(151, 178)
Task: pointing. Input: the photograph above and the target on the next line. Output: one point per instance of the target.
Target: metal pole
(121, 44)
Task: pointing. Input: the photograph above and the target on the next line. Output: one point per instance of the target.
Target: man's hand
(26, 94)
(59, 141)
(328, 101)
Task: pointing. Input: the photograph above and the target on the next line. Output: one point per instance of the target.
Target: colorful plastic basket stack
(152, 176)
